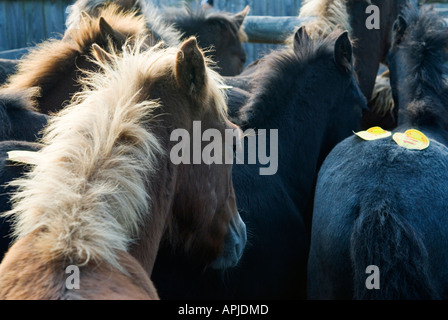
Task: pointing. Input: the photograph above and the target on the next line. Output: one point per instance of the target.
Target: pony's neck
(302, 126)
(162, 190)
(423, 95)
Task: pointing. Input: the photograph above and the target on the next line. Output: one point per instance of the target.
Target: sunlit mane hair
(88, 192)
(93, 8)
(162, 30)
(53, 58)
(382, 102)
(155, 24)
(330, 14)
(324, 17)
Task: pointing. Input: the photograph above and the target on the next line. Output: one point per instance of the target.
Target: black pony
(380, 213)
(20, 125)
(18, 120)
(309, 94)
(9, 171)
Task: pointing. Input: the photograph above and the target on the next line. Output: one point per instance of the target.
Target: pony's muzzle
(234, 244)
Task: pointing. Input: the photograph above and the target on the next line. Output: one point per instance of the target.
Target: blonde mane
(382, 102)
(323, 17)
(88, 192)
(330, 14)
(53, 58)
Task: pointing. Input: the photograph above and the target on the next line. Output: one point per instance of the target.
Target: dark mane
(424, 55)
(278, 69)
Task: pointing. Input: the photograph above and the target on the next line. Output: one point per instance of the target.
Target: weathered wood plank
(3, 28)
(54, 18)
(15, 24)
(34, 24)
(14, 53)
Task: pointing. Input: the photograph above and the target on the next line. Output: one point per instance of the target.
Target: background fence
(24, 23)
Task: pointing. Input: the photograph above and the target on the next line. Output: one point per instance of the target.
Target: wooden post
(268, 29)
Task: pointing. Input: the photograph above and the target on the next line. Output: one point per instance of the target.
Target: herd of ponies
(87, 183)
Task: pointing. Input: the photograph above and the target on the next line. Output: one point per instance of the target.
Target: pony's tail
(382, 238)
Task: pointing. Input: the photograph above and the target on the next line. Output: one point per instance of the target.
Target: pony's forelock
(323, 17)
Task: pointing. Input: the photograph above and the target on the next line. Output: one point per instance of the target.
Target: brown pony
(103, 194)
(55, 66)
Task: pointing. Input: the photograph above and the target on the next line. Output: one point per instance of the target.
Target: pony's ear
(107, 31)
(398, 30)
(240, 16)
(190, 70)
(343, 52)
(100, 54)
(300, 37)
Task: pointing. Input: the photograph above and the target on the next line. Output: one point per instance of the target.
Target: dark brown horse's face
(371, 45)
(228, 51)
(230, 54)
(389, 13)
(205, 217)
(223, 35)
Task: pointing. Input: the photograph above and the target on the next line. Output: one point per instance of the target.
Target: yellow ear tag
(26, 157)
(373, 133)
(412, 139)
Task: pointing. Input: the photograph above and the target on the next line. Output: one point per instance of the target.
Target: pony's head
(206, 220)
(389, 14)
(219, 32)
(417, 63)
(313, 73)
